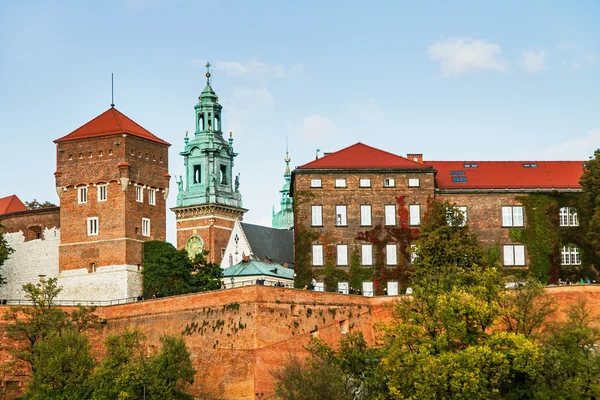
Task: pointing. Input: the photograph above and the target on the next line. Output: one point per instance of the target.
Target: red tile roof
(108, 123)
(11, 204)
(362, 156)
(509, 174)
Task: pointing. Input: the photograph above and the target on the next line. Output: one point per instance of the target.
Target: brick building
(112, 179)
(352, 191)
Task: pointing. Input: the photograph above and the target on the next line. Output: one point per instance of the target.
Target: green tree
(590, 200)
(571, 367)
(5, 252)
(168, 271)
(34, 204)
(29, 325)
(62, 367)
(127, 371)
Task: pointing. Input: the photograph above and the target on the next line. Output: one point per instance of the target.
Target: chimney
(418, 158)
(245, 259)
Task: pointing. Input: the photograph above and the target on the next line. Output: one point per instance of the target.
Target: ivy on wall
(544, 238)
(303, 238)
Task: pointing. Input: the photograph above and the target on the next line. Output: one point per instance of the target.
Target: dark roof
(273, 244)
(11, 204)
(508, 174)
(359, 156)
(110, 122)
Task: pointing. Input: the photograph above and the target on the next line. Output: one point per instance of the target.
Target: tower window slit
(197, 175)
(223, 179)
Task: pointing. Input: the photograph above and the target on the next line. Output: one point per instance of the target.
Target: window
(139, 194)
(570, 256)
(92, 226)
(512, 216)
(317, 253)
(470, 165)
(91, 154)
(459, 179)
(70, 156)
(340, 216)
(530, 165)
(82, 195)
(152, 197)
(514, 255)
(365, 215)
(110, 153)
(367, 254)
(316, 183)
(414, 214)
(197, 174)
(100, 153)
(101, 192)
(457, 172)
(390, 214)
(80, 155)
(413, 253)
(340, 183)
(463, 213)
(342, 254)
(568, 217)
(317, 215)
(389, 182)
(364, 182)
(414, 182)
(223, 180)
(391, 251)
(145, 226)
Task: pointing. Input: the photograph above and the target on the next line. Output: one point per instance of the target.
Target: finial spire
(287, 158)
(207, 73)
(112, 90)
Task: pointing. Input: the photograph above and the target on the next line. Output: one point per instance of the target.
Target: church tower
(208, 199)
(284, 219)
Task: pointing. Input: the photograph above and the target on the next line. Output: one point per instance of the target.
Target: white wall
(236, 251)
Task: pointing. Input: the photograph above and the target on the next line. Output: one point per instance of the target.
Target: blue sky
(467, 80)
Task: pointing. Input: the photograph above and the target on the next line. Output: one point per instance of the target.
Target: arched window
(201, 122)
(217, 127)
(230, 260)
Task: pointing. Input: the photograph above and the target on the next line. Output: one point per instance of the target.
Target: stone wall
(30, 260)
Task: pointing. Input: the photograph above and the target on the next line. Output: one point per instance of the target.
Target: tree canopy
(168, 271)
(5, 252)
(34, 204)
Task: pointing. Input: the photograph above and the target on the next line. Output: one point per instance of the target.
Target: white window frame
(145, 226)
(152, 197)
(366, 254)
(391, 254)
(414, 182)
(512, 216)
(340, 182)
(364, 182)
(414, 215)
(365, 215)
(93, 226)
(317, 215)
(570, 256)
(389, 182)
(316, 183)
(341, 215)
(102, 192)
(342, 255)
(390, 215)
(82, 195)
(317, 255)
(139, 194)
(568, 216)
(413, 253)
(514, 255)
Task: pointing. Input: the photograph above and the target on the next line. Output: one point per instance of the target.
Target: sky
(460, 80)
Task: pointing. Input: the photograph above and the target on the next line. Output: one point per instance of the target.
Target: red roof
(362, 156)
(108, 123)
(11, 204)
(508, 174)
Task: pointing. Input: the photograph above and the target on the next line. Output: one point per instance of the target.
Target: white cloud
(532, 61)
(460, 55)
(574, 149)
(247, 106)
(319, 127)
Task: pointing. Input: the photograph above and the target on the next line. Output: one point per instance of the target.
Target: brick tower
(209, 200)
(112, 179)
